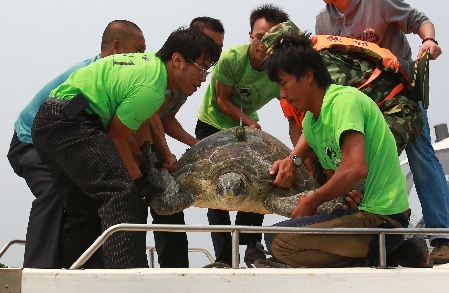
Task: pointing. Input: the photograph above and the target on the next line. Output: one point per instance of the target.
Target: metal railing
(236, 230)
(151, 251)
(9, 244)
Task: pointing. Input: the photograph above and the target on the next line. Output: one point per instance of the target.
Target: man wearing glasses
(239, 87)
(172, 247)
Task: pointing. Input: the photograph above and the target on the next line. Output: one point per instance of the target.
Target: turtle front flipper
(168, 204)
(171, 200)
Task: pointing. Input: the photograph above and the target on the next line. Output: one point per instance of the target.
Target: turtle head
(231, 186)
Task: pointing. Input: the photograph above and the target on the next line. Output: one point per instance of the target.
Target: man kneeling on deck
(349, 134)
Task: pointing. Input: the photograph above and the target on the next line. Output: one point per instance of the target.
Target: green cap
(278, 31)
(418, 76)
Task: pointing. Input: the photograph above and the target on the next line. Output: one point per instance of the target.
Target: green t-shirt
(251, 89)
(131, 85)
(346, 108)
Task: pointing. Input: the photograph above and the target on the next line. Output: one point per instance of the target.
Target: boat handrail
(236, 230)
(9, 244)
(152, 249)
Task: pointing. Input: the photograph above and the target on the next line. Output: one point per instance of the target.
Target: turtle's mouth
(231, 188)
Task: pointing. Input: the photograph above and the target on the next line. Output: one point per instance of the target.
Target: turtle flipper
(170, 204)
(171, 200)
(284, 206)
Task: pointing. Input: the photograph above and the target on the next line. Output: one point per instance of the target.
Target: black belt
(57, 101)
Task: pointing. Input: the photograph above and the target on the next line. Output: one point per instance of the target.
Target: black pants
(92, 181)
(44, 224)
(172, 247)
(223, 241)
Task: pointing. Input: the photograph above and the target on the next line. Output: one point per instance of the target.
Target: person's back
(386, 23)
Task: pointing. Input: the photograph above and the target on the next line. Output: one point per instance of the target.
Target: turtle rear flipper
(279, 201)
(284, 206)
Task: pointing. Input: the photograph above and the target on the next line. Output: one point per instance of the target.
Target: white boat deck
(379, 279)
(233, 280)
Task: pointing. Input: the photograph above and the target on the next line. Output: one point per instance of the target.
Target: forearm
(294, 130)
(175, 130)
(301, 148)
(234, 112)
(119, 134)
(427, 31)
(340, 183)
(158, 136)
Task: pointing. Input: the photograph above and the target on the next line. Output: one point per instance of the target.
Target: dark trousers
(92, 181)
(44, 224)
(222, 241)
(172, 247)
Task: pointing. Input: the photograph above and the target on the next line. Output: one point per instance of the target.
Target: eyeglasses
(203, 71)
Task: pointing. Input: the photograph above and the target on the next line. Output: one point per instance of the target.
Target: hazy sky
(41, 39)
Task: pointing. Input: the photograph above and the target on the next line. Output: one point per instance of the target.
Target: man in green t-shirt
(82, 132)
(347, 131)
(239, 87)
(172, 247)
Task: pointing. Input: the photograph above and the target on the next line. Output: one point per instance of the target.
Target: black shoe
(440, 253)
(217, 265)
(412, 252)
(253, 252)
(271, 263)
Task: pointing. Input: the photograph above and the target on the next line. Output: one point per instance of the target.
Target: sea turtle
(229, 170)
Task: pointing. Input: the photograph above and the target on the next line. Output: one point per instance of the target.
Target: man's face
(295, 91)
(257, 51)
(193, 74)
(216, 36)
(135, 45)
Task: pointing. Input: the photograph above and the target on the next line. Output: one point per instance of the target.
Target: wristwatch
(296, 160)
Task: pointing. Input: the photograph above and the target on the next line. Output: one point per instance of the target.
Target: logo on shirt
(332, 154)
(130, 62)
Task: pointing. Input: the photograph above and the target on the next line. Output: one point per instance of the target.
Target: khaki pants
(315, 250)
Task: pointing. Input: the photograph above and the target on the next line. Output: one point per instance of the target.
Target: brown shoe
(440, 254)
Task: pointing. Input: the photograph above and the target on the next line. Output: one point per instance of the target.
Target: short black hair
(295, 55)
(122, 30)
(206, 22)
(191, 43)
(270, 12)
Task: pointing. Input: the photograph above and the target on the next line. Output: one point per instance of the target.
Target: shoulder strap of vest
(386, 60)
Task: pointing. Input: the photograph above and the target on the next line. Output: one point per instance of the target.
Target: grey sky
(41, 39)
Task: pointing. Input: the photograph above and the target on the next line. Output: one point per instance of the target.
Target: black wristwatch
(296, 160)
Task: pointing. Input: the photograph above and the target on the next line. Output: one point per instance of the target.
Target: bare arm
(352, 169)
(428, 31)
(119, 133)
(223, 95)
(285, 169)
(295, 133)
(173, 128)
(157, 134)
